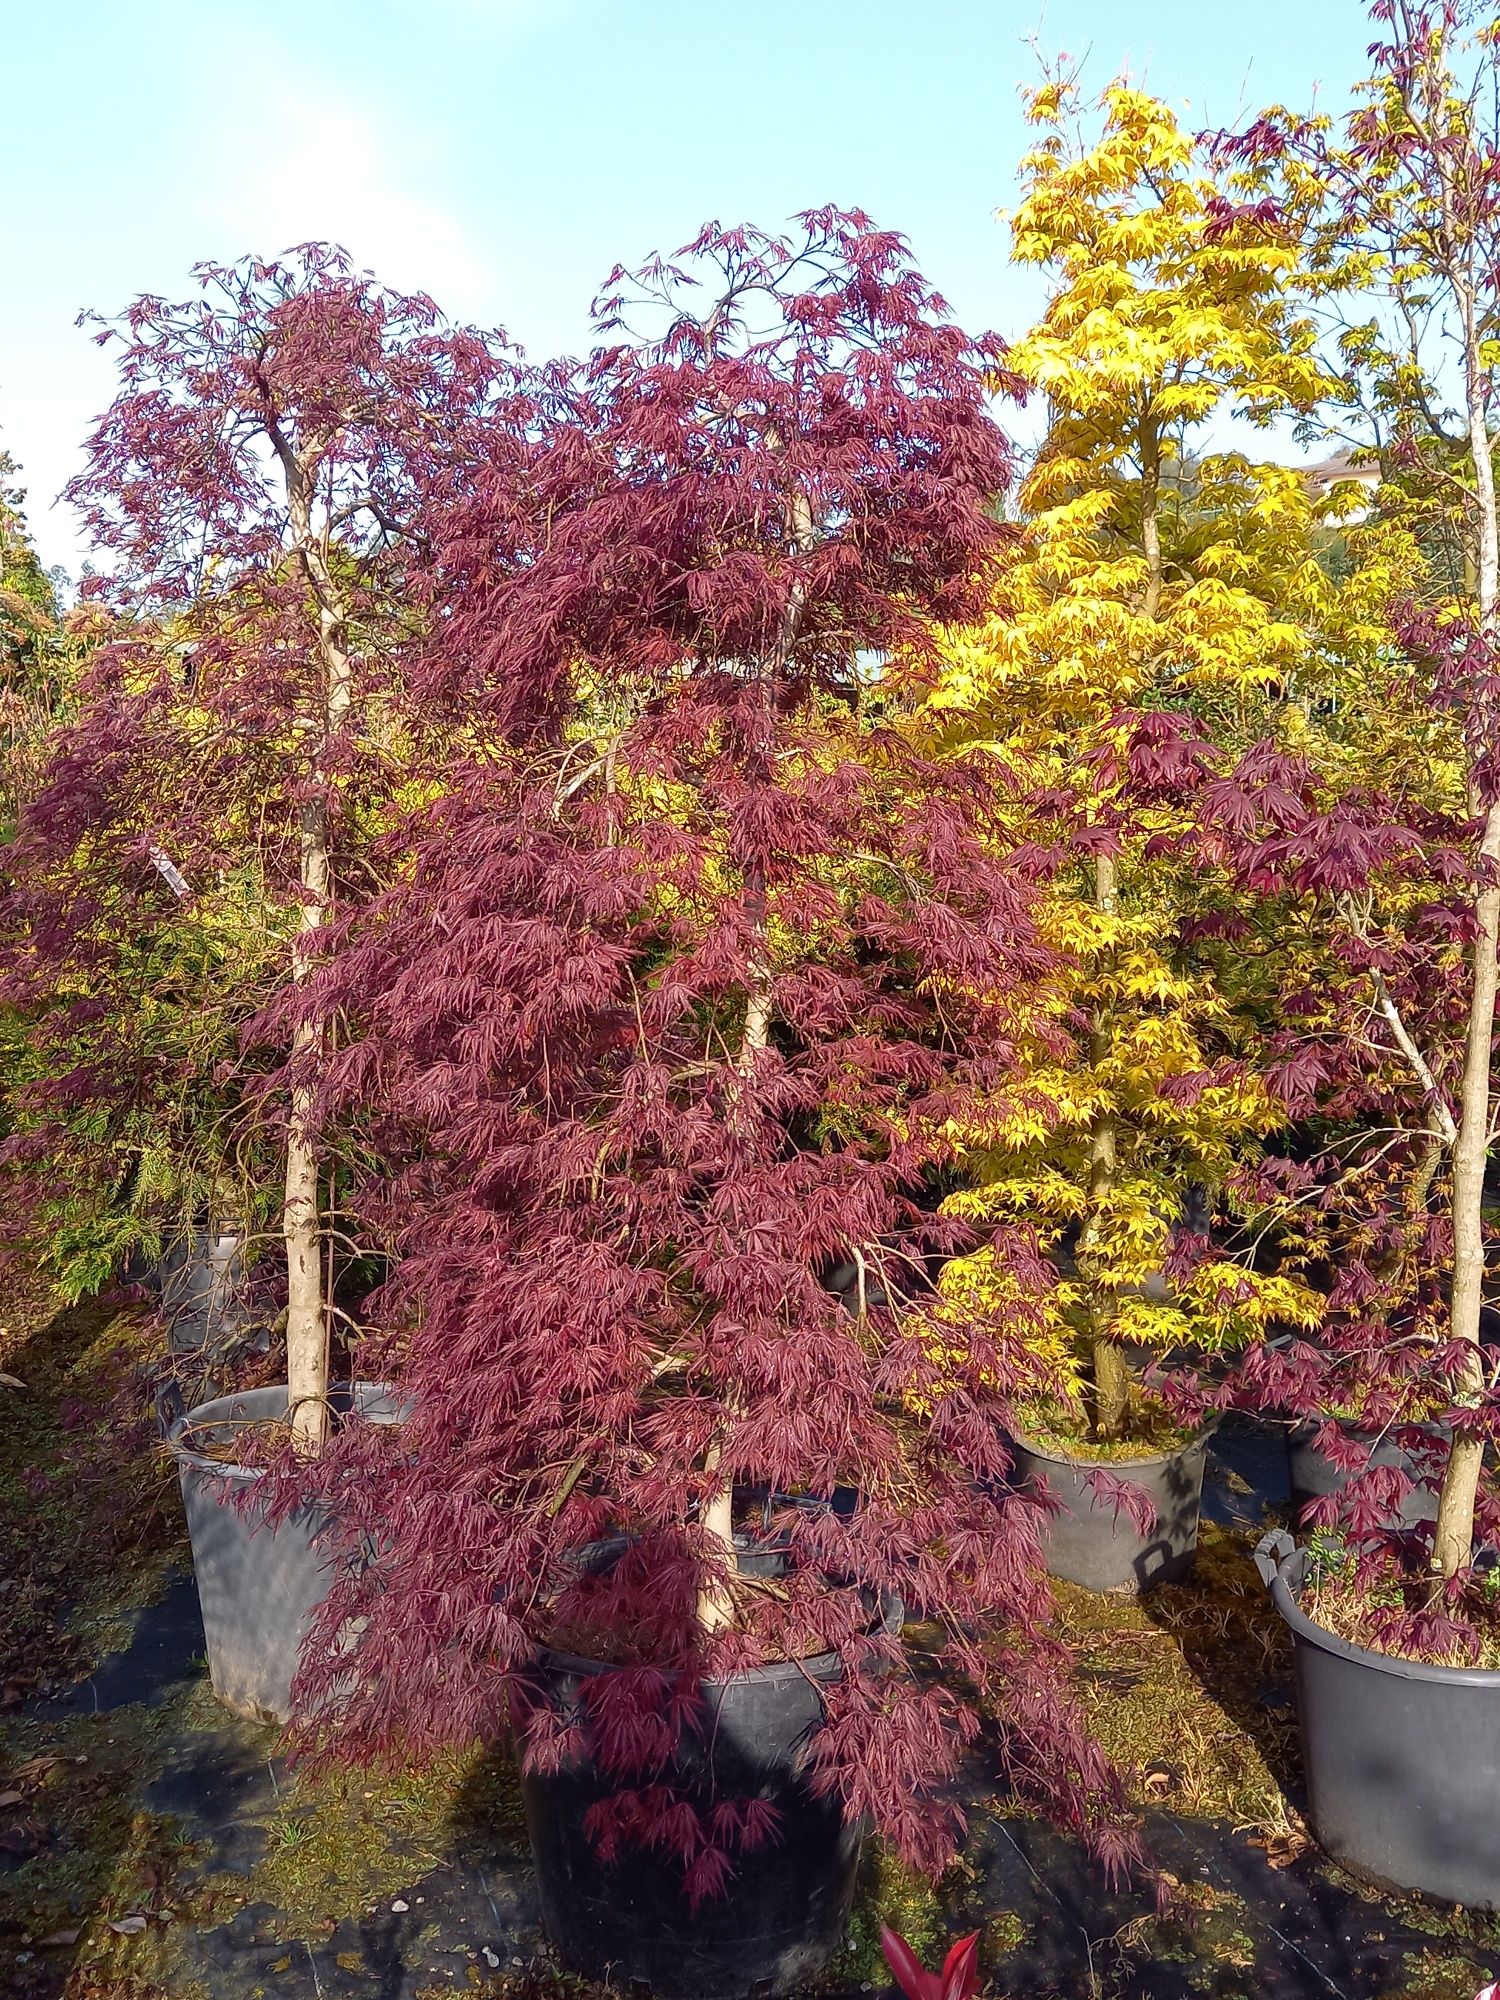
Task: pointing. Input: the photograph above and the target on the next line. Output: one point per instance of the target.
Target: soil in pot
(630, 1921)
(1402, 1756)
(1092, 1542)
(259, 1588)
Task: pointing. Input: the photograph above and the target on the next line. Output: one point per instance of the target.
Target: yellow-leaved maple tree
(1156, 569)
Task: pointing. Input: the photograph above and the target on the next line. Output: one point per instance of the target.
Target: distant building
(1343, 469)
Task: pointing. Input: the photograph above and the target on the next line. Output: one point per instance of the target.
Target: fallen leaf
(11, 1382)
(58, 1939)
(1282, 1849)
(11, 1798)
(32, 1769)
(128, 1926)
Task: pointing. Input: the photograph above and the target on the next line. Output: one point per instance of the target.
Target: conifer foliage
(697, 969)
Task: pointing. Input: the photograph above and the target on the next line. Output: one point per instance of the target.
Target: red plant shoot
(958, 1979)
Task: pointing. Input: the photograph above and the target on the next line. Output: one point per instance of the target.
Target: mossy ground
(90, 1527)
(340, 1841)
(1186, 1688)
(1207, 1929)
(1441, 1975)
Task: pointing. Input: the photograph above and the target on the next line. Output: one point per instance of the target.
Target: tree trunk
(306, 1314)
(307, 1328)
(1453, 1539)
(1111, 1390)
(715, 1605)
(1150, 526)
(1111, 1371)
(715, 1602)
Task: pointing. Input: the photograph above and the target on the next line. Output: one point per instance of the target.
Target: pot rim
(811, 1666)
(1354, 1428)
(176, 1423)
(1283, 1569)
(1148, 1461)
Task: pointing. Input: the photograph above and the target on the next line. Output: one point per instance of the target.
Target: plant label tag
(169, 873)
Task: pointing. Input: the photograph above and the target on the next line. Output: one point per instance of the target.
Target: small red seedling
(958, 1980)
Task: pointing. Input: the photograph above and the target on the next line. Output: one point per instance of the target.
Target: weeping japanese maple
(666, 1038)
(257, 486)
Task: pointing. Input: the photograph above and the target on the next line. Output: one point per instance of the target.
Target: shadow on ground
(160, 1849)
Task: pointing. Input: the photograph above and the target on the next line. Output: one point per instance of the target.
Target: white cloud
(317, 168)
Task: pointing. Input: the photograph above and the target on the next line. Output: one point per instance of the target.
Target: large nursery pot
(202, 1278)
(1311, 1473)
(258, 1587)
(1089, 1542)
(785, 1908)
(1402, 1759)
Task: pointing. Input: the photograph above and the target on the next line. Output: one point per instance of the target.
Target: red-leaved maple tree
(257, 486)
(1362, 854)
(664, 1039)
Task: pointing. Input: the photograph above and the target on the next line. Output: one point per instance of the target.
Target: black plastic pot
(202, 1281)
(1311, 1473)
(783, 1913)
(1087, 1542)
(1402, 1759)
(258, 1587)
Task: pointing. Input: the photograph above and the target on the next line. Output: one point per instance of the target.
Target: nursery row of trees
(730, 946)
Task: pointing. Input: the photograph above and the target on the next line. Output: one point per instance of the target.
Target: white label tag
(169, 874)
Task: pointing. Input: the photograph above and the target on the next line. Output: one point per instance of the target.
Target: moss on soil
(1436, 1975)
(1451, 1927)
(341, 1841)
(90, 1528)
(1181, 1685)
(1207, 1929)
(888, 1892)
(1150, 1431)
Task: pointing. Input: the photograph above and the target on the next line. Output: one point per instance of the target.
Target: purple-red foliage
(621, 1214)
(1314, 862)
(201, 727)
(958, 1979)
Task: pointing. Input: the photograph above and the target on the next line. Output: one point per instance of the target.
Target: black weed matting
(1233, 1925)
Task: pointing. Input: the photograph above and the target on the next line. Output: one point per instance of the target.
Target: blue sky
(503, 154)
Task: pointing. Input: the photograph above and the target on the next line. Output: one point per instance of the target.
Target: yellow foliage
(1149, 571)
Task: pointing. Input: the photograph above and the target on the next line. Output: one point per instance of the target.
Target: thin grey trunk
(307, 1325)
(715, 1603)
(1110, 1367)
(1111, 1370)
(1453, 1541)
